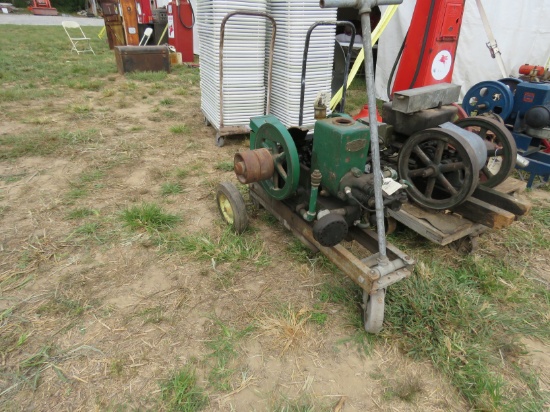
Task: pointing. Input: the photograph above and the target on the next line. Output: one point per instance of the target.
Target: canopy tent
(521, 30)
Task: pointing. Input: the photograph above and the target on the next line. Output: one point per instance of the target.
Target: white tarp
(521, 29)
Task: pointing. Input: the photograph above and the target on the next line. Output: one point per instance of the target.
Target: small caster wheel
(373, 306)
(220, 140)
(207, 122)
(231, 206)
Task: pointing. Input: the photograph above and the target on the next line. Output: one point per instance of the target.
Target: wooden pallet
(487, 208)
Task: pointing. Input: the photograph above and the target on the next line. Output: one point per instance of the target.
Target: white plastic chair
(146, 36)
(81, 43)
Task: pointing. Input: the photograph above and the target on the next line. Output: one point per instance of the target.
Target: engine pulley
(441, 166)
(489, 97)
(253, 165)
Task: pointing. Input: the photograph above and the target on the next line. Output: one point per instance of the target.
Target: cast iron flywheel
(501, 148)
(274, 137)
(440, 166)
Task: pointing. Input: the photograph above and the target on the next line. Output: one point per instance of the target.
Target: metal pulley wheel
(489, 97)
(501, 148)
(440, 166)
(274, 137)
(231, 206)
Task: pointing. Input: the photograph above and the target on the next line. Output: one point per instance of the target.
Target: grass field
(122, 289)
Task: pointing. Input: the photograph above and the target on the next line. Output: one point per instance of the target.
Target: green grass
(149, 217)
(153, 315)
(179, 129)
(149, 77)
(226, 166)
(224, 352)
(225, 247)
(170, 188)
(467, 320)
(167, 101)
(304, 403)
(43, 142)
(81, 212)
(181, 392)
(62, 305)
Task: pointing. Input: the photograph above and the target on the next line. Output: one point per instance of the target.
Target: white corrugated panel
(243, 61)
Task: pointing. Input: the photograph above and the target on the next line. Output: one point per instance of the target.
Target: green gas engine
(324, 176)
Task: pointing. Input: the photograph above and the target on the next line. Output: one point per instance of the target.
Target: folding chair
(81, 43)
(146, 36)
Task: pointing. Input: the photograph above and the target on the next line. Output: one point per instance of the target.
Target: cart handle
(304, 63)
(270, 62)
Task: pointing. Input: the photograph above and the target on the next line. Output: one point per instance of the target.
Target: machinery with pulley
(347, 179)
(326, 185)
(522, 106)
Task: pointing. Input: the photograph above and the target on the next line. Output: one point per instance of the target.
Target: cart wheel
(220, 140)
(231, 206)
(207, 122)
(374, 310)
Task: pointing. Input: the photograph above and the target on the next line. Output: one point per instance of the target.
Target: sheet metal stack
(243, 61)
(293, 20)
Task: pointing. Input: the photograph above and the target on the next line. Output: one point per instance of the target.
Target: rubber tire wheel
(374, 310)
(220, 140)
(231, 206)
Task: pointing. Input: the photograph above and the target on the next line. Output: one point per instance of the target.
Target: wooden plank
(426, 229)
(502, 200)
(484, 213)
(511, 185)
(351, 265)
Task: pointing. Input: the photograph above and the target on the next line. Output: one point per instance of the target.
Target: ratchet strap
(375, 35)
(492, 44)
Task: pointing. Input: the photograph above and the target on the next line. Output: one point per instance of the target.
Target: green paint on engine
(339, 144)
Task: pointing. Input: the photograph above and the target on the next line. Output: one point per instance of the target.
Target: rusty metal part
(362, 271)
(315, 178)
(253, 165)
(440, 166)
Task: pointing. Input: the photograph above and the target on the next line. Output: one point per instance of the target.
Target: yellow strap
(162, 35)
(101, 33)
(380, 27)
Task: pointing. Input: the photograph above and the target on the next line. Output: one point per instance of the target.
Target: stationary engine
(323, 176)
(524, 107)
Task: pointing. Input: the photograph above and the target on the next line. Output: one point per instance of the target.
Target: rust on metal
(353, 267)
(254, 165)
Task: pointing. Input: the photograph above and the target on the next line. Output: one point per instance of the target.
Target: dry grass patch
(287, 329)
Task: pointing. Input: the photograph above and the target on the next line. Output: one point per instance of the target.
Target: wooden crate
(142, 58)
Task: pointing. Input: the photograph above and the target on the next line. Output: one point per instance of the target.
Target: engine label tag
(356, 145)
(528, 97)
(390, 186)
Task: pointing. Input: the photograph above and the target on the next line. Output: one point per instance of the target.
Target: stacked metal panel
(293, 20)
(243, 61)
